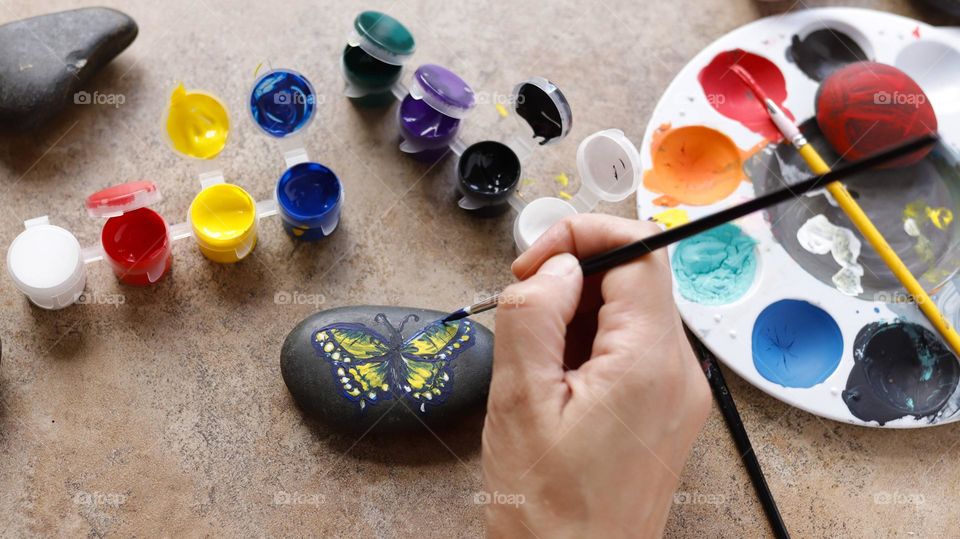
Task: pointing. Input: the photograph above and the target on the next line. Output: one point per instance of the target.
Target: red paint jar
(135, 239)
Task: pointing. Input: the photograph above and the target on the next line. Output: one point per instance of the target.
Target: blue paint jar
(282, 102)
(309, 196)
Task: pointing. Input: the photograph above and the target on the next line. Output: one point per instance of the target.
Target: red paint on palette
(730, 97)
(867, 107)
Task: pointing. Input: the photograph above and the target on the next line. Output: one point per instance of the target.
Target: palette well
(793, 299)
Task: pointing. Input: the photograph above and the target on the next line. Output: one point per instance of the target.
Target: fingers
(531, 335)
(582, 236)
(637, 302)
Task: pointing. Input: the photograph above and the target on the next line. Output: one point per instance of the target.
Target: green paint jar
(372, 62)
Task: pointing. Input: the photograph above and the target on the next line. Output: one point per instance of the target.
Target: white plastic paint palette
(859, 359)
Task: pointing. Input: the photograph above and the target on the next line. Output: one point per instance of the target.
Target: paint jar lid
(120, 199)
(46, 262)
(382, 37)
(536, 217)
(543, 107)
(609, 166)
(282, 102)
(443, 90)
(197, 123)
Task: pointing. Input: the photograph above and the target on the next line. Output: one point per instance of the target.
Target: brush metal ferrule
(484, 305)
(798, 140)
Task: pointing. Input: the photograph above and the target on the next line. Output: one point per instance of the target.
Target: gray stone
(356, 368)
(45, 60)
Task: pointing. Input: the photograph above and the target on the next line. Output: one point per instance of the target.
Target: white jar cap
(46, 263)
(536, 217)
(610, 168)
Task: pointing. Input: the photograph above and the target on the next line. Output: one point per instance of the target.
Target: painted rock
(45, 60)
(387, 369)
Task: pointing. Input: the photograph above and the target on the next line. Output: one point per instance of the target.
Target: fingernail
(560, 265)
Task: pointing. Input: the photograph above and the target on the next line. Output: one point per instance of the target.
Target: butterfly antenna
(414, 317)
(382, 318)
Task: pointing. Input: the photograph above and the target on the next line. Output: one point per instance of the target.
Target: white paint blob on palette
(792, 299)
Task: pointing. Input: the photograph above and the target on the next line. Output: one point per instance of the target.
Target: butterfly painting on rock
(371, 367)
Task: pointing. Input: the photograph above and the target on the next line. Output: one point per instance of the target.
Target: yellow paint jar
(197, 123)
(223, 218)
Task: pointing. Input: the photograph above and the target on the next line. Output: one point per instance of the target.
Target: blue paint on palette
(282, 102)
(715, 267)
(796, 344)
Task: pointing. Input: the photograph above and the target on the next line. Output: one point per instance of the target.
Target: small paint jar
(46, 263)
(372, 62)
(309, 197)
(223, 219)
(135, 240)
(609, 166)
(430, 114)
(488, 171)
(197, 123)
(282, 102)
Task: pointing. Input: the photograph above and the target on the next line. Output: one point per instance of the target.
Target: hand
(596, 397)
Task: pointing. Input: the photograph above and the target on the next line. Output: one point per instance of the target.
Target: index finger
(582, 236)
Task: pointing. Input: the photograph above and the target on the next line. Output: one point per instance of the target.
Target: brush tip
(454, 316)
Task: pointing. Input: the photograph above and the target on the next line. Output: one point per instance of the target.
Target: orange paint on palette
(693, 165)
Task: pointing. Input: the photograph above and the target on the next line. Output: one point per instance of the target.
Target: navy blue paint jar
(309, 196)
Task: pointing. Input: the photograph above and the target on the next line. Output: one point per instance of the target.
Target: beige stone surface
(166, 415)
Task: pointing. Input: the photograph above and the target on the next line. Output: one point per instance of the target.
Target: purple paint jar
(430, 115)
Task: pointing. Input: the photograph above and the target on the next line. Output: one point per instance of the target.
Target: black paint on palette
(540, 111)
(824, 51)
(884, 195)
(900, 369)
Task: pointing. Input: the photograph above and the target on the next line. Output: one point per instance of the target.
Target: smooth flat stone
(45, 60)
(379, 368)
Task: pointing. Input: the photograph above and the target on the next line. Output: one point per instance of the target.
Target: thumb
(531, 331)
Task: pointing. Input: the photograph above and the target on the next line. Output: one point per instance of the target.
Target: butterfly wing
(424, 366)
(359, 359)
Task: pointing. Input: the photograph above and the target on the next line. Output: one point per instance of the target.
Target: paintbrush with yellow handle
(791, 132)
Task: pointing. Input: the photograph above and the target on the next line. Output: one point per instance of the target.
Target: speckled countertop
(161, 411)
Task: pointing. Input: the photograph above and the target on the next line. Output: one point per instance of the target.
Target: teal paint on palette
(715, 267)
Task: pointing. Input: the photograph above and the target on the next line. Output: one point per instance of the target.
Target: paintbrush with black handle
(728, 408)
(631, 251)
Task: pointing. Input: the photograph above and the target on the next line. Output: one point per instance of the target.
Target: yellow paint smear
(565, 195)
(672, 217)
(694, 165)
(197, 123)
(502, 110)
(562, 179)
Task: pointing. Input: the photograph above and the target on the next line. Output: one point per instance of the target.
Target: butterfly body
(370, 367)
